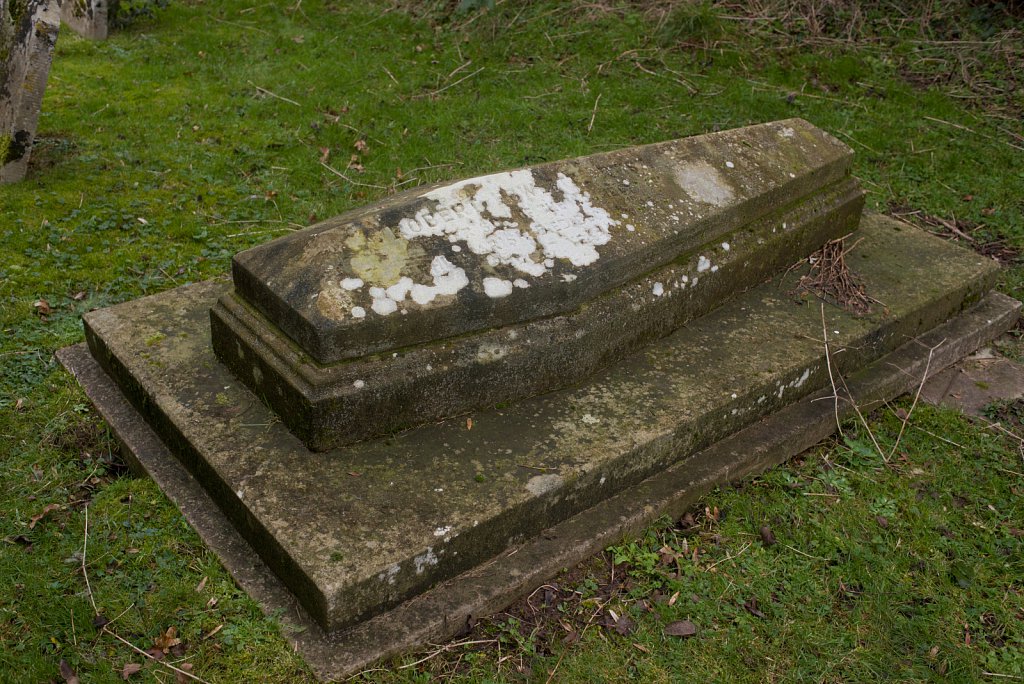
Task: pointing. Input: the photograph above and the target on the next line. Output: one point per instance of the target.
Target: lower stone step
(447, 610)
(355, 531)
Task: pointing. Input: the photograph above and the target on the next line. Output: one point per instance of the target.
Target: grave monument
(87, 18)
(408, 415)
(28, 34)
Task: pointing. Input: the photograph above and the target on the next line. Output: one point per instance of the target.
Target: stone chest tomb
(405, 416)
(444, 300)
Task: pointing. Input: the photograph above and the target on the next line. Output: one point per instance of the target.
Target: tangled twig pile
(832, 280)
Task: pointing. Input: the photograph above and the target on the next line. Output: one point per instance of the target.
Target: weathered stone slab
(27, 38)
(447, 609)
(87, 18)
(501, 249)
(976, 382)
(534, 252)
(353, 531)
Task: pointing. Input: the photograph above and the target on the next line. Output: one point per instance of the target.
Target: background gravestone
(29, 29)
(87, 18)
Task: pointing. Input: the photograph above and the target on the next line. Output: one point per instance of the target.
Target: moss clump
(5, 148)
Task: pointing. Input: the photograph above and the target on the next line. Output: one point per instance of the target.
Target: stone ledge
(445, 610)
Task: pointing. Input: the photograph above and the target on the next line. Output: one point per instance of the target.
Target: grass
(204, 129)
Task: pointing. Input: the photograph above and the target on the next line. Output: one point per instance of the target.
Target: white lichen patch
(794, 384)
(542, 484)
(447, 280)
(351, 283)
(489, 352)
(703, 264)
(725, 246)
(589, 419)
(442, 531)
(479, 213)
(704, 183)
(496, 288)
(389, 574)
(359, 384)
(425, 560)
(658, 289)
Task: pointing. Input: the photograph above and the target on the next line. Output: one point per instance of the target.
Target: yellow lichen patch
(334, 302)
(380, 258)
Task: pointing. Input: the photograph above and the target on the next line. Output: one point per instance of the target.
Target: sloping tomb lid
(442, 261)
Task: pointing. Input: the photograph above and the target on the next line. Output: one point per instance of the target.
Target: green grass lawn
(209, 127)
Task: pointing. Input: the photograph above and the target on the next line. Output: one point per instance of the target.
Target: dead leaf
(361, 146)
(767, 537)
(49, 508)
(214, 631)
(100, 621)
(299, 39)
(469, 423)
(882, 521)
(641, 647)
(19, 539)
(681, 628)
(155, 653)
(751, 606)
(181, 678)
(19, 404)
(42, 307)
(201, 585)
(675, 597)
(212, 602)
(168, 640)
(624, 625)
(129, 669)
(79, 296)
(67, 673)
(325, 154)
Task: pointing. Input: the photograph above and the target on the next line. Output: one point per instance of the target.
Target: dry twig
(831, 279)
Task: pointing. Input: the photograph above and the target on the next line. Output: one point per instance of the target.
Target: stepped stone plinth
(412, 413)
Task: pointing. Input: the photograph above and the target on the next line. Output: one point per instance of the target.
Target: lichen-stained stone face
(510, 247)
(27, 38)
(88, 18)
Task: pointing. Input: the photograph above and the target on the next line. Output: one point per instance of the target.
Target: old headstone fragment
(388, 401)
(88, 18)
(28, 33)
